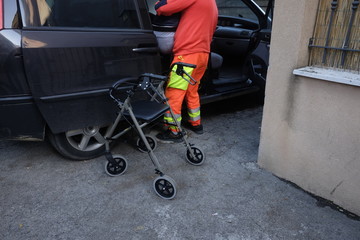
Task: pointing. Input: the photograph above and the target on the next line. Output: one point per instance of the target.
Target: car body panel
(20, 118)
(69, 70)
(12, 72)
(58, 76)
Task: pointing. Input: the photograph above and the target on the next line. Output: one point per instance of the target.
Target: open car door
(74, 50)
(236, 42)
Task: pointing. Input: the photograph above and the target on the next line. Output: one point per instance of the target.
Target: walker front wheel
(141, 145)
(116, 168)
(197, 157)
(164, 187)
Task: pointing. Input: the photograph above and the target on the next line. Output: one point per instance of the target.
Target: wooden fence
(336, 38)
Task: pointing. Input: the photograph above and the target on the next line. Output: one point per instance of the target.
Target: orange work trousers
(190, 95)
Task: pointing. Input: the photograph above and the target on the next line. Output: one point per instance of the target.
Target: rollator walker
(140, 113)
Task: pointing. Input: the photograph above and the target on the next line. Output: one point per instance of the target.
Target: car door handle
(146, 50)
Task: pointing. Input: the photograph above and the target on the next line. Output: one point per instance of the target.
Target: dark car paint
(49, 57)
(82, 67)
(12, 73)
(68, 71)
(20, 117)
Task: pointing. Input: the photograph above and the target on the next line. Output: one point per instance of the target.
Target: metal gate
(336, 38)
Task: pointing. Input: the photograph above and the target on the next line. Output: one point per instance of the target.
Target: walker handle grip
(122, 81)
(116, 86)
(182, 64)
(154, 76)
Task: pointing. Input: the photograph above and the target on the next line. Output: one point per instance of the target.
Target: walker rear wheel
(141, 145)
(117, 168)
(164, 187)
(198, 154)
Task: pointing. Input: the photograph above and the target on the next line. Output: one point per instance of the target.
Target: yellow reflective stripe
(193, 110)
(168, 119)
(174, 128)
(192, 115)
(171, 120)
(177, 81)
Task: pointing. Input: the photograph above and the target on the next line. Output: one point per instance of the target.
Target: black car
(58, 59)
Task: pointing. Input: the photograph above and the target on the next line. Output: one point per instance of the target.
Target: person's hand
(160, 3)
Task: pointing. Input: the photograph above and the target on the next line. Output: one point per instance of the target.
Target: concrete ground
(44, 196)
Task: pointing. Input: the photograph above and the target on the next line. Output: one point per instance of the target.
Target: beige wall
(310, 131)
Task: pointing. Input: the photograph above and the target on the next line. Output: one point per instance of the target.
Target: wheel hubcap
(91, 131)
(86, 139)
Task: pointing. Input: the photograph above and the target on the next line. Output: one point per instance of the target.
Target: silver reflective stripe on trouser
(194, 114)
(172, 124)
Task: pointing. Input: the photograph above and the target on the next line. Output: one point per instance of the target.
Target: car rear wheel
(80, 144)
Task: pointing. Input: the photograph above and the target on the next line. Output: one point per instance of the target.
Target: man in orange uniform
(191, 45)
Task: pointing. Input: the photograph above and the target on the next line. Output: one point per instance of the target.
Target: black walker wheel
(141, 145)
(164, 187)
(198, 154)
(118, 168)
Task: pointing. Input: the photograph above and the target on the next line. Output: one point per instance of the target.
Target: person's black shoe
(196, 129)
(169, 137)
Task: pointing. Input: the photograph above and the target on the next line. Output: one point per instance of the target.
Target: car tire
(80, 144)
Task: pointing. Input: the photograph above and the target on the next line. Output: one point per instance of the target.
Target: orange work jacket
(197, 24)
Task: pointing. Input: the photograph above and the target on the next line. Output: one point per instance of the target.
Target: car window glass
(82, 13)
(10, 17)
(235, 9)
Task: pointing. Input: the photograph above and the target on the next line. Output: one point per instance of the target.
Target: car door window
(82, 13)
(235, 9)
